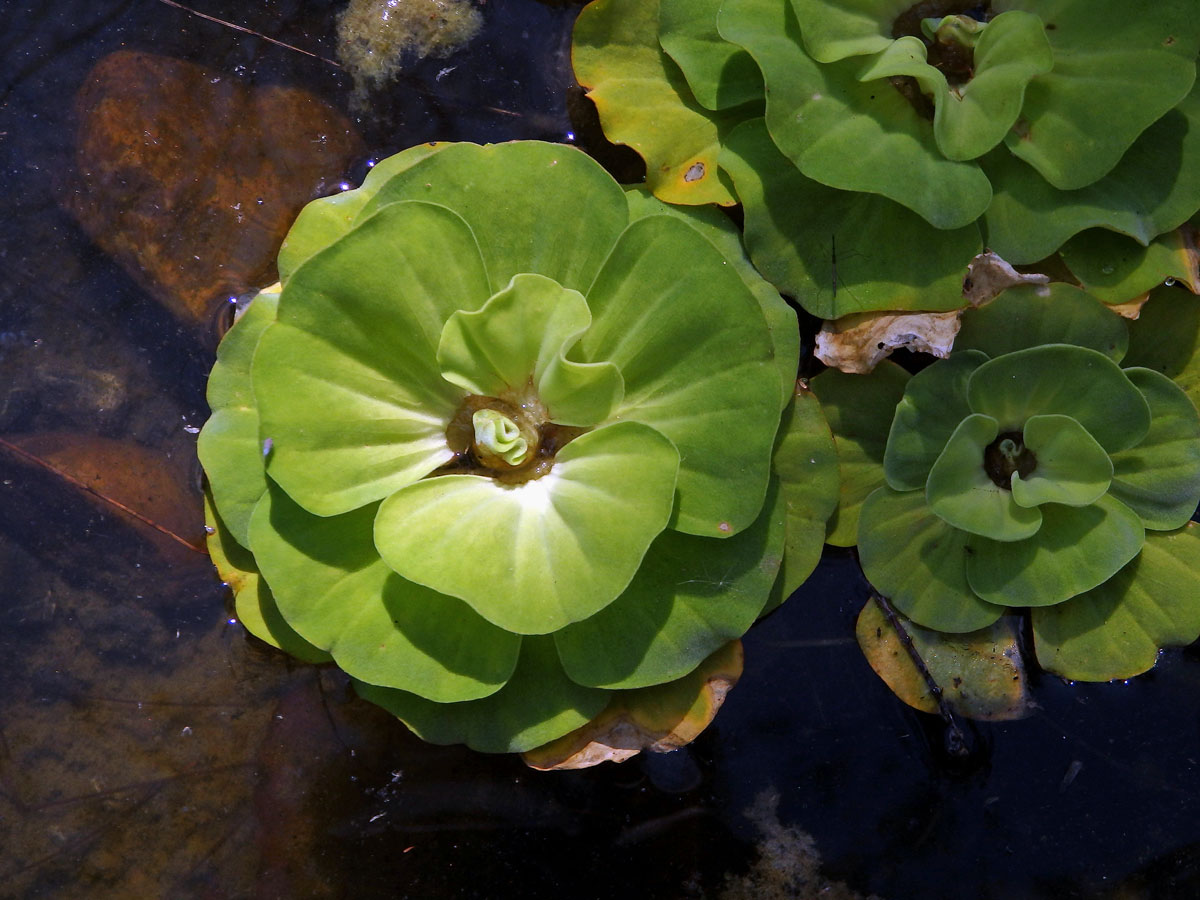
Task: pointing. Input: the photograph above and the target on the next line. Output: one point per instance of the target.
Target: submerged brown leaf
(981, 673)
(660, 718)
(150, 489)
(156, 188)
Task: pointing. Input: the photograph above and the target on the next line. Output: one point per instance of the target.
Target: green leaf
(538, 704)
(1166, 338)
(918, 562)
(1150, 191)
(691, 596)
(367, 347)
(806, 463)
(545, 553)
(934, 403)
(492, 188)
(693, 347)
(1116, 630)
(1030, 315)
(848, 134)
(1159, 479)
(960, 491)
(835, 29)
(1118, 67)
(887, 257)
(229, 446)
(252, 600)
(970, 120)
(332, 587)
(644, 101)
(859, 410)
(325, 220)
(719, 74)
(715, 225)
(1114, 268)
(1061, 379)
(521, 336)
(1076, 549)
(1072, 468)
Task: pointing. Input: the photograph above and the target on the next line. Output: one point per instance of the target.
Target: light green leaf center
(498, 435)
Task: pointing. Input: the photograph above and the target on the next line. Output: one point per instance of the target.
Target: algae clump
(376, 38)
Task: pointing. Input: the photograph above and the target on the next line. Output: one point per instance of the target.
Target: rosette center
(1007, 455)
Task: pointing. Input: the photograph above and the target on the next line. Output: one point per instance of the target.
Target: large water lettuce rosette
(1030, 470)
(878, 145)
(518, 429)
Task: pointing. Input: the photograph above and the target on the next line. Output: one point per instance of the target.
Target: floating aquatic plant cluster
(920, 132)
(497, 459)
(523, 451)
(1029, 469)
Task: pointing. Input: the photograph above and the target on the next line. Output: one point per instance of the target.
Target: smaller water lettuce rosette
(917, 132)
(500, 444)
(1030, 470)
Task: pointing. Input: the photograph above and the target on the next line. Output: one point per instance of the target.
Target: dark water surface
(148, 748)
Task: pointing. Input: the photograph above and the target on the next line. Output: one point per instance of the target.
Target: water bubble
(1168, 281)
(1107, 270)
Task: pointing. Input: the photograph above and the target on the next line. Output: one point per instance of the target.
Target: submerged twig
(246, 30)
(956, 741)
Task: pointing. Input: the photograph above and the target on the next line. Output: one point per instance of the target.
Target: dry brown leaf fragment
(660, 718)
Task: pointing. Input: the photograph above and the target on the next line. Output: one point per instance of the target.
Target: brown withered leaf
(149, 488)
(858, 342)
(989, 275)
(660, 718)
(190, 178)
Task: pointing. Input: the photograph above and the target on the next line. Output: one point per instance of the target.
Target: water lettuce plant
(1030, 470)
(878, 145)
(500, 444)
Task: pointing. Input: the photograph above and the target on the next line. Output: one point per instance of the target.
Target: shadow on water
(149, 748)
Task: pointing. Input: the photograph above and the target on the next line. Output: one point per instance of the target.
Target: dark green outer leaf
(691, 596)
(538, 704)
(1118, 66)
(835, 29)
(919, 562)
(1031, 315)
(806, 463)
(1166, 338)
(719, 74)
(934, 402)
(493, 189)
(887, 256)
(1160, 478)
(1155, 187)
(1116, 630)
(1065, 380)
(848, 134)
(859, 409)
(1076, 549)
(1114, 268)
